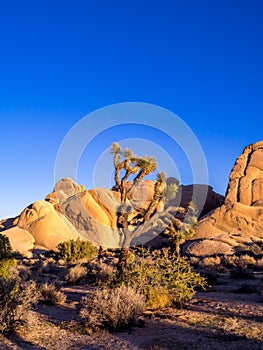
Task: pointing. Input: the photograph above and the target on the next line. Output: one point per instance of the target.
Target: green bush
(164, 279)
(112, 308)
(74, 250)
(5, 247)
(8, 268)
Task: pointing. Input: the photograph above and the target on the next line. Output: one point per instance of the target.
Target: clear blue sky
(61, 60)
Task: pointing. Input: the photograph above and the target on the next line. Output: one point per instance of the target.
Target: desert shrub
(230, 261)
(194, 261)
(260, 263)
(164, 273)
(112, 308)
(24, 272)
(51, 295)
(255, 248)
(246, 261)
(242, 261)
(74, 250)
(16, 299)
(210, 261)
(8, 268)
(5, 247)
(241, 273)
(76, 274)
(103, 272)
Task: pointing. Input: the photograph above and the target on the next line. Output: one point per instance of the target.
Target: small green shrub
(51, 295)
(112, 308)
(5, 247)
(8, 268)
(16, 299)
(164, 273)
(76, 274)
(74, 250)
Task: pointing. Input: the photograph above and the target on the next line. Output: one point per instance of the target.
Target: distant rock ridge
(240, 218)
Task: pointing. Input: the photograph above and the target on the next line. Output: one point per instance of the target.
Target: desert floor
(228, 316)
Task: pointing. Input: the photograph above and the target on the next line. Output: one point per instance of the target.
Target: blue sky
(61, 60)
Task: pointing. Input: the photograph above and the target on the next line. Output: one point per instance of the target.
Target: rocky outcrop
(21, 240)
(46, 225)
(203, 196)
(70, 212)
(240, 218)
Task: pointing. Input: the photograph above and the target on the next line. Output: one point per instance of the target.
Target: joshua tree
(132, 226)
(182, 226)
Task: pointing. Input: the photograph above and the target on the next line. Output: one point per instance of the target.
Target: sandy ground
(216, 319)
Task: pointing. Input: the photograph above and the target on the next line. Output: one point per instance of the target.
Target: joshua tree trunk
(125, 251)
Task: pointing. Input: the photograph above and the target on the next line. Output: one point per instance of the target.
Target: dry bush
(51, 295)
(230, 261)
(210, 261)
(194, 261)
(24, 272)
(76, 274)
(16, 299)
(104, 272)
(246, 261)
(242, 261)
(260, 263)
(43, 267)
(112, 308)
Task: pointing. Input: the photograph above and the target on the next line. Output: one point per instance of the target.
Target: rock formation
(70, 211)
(240, 218)
(203, 196)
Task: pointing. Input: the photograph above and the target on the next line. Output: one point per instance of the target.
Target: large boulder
(240, 218)
(46, 225)
(21, 240)
(94, 215)
(203, 196)
(64, 189)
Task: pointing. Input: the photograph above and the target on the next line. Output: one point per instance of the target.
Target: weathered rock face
(70, 211)
(21, 240)
(240, 218)
(46, 225)
(63, 189)
(203, 195)
(246, 179)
